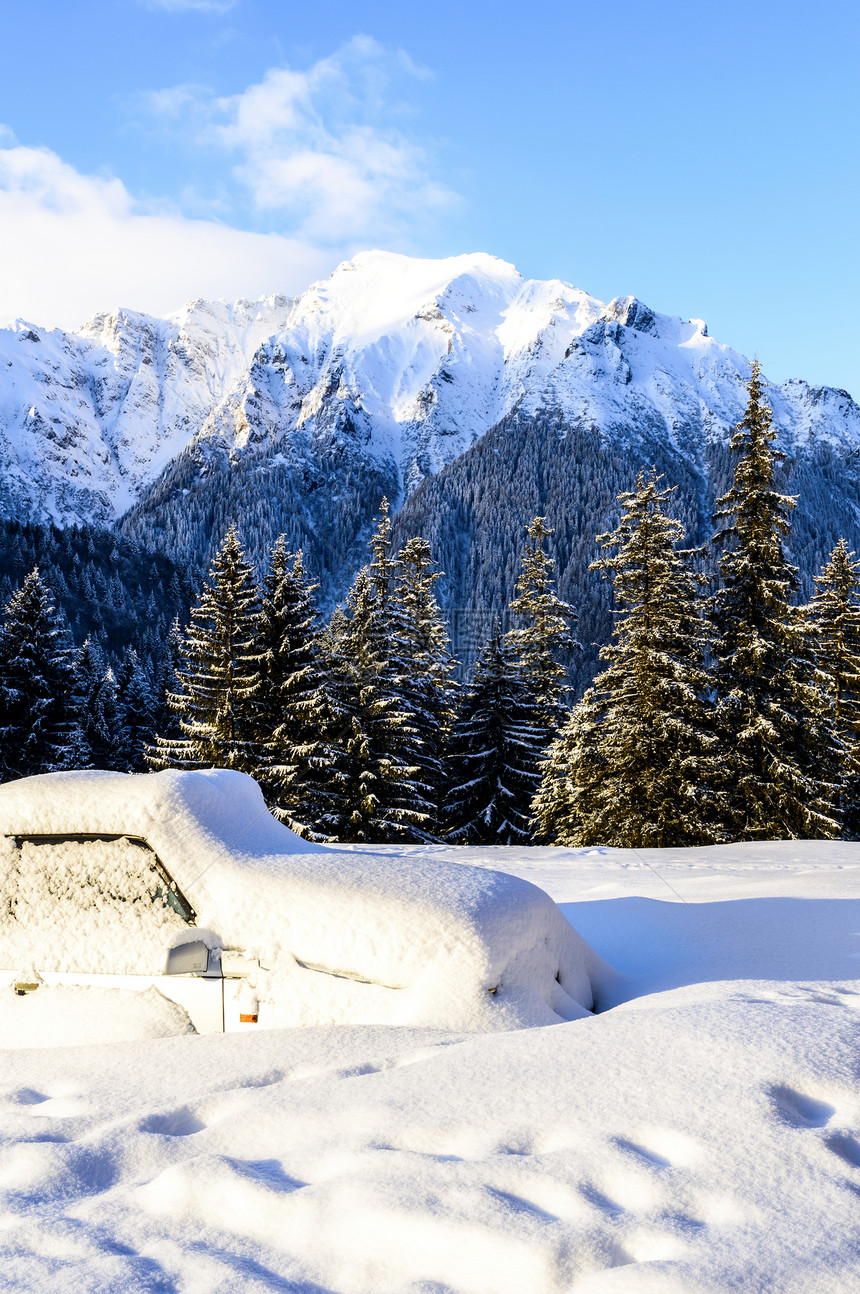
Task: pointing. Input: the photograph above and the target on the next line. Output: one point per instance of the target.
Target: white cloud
(73, 244)
(317, 150)
(320, 146)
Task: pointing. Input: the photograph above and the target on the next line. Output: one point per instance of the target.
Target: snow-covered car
(184, 882)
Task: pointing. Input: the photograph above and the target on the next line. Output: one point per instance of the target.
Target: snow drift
(340, 936)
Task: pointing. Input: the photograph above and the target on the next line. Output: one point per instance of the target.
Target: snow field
(703, 1135)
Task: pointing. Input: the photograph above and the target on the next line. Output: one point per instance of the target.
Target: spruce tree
(100, 712)
(382, 795)
(834, 622)
(781, 757)
(138, 709)
(167, 664)
(218, 677)
(381, 566)
(637, 762)
(39, 703)
(494, 751)
(422, 665)
(299, 721)
(545, 638)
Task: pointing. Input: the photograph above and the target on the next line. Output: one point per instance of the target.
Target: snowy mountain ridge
(393, 363)
(88, 418)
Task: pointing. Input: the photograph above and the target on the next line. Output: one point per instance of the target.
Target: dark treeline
(88, 643)
(324, 506)
(725, 706)
(112, 590)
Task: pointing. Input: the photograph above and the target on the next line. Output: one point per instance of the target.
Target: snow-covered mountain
(89, 419)
(393, 361)
(473, 398)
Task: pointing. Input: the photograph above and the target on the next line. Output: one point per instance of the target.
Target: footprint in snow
(263, 1080)
(800, 1110)
(601, 1201)
(650, 1157)
(25, 1096)
(661, 1147)
(519, 1204)
(269, 1173)
(175, 1123)
(845, 1146)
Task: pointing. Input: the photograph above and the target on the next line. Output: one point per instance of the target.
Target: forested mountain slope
(475, 512)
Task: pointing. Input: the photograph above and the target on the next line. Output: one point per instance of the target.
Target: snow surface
(63, 1017)
(380, 940)
(408, 360)
(702, 1135)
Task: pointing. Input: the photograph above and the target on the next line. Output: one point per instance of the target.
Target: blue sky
(703, 158)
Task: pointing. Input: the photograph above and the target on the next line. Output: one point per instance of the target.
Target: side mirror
(187, 959)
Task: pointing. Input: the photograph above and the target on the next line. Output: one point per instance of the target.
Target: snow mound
(68, 1016)
(340, 936)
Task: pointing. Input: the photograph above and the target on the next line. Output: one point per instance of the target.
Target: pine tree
(39, 703)
(494, 753)
(167, 665)
(781, 758)
(637, 762)
(380, 569)
(100, 712)
(218, 678)
(298, 718)
(834, 623)
(138, 712)
(420, 657)
(546, 636)
(382, 797)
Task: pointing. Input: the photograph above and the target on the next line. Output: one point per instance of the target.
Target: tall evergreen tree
(834, 615)
(834, 622)
(167, 665)
(299, 721)
(218, 678)
(422, 665)
(100, 715)
(545, 638)
(637, 762)
(138, 710)
(39, 703)
(381, 566)
(781, 758)
(494, 752)
(383, 797)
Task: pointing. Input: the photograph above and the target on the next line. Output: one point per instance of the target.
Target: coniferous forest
(723, 706)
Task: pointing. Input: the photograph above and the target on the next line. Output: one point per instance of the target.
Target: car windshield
(97, 906)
